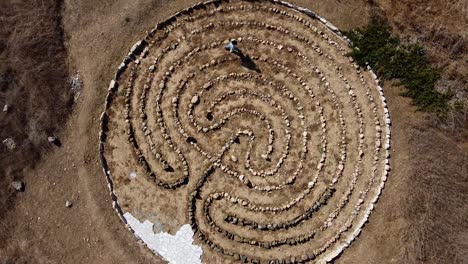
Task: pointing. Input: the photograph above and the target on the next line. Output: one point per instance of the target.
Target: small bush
(390, 59)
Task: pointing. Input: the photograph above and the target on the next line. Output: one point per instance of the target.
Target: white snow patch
(178, 249)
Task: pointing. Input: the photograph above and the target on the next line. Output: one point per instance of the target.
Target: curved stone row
(141, 158)
(201, 129)
(361, 121)
(131, 67)
(253, 242)
(209, 26)
(237, 220)
(311, 184)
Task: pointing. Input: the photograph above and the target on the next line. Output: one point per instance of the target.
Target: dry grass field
(419, 218)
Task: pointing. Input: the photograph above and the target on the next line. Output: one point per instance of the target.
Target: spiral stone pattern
(277, 155)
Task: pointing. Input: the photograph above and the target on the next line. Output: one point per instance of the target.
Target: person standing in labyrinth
(232, 47)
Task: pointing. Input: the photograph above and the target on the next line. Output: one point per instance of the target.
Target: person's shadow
(57, 142)
(247, 62)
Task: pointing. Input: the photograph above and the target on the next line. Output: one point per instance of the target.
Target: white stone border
(135, 51)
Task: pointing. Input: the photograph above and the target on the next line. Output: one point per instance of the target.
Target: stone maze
(273, 154)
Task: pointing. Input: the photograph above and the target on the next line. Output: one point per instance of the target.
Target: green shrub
(390, 59)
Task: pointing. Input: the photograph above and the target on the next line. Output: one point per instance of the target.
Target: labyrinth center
(274, 154)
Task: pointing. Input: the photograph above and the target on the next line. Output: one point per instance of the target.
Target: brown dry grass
(33, 82)
(437, 201)
(440, 27)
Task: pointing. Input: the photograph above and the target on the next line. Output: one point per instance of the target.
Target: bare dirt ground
(32, 71)
(419, 219)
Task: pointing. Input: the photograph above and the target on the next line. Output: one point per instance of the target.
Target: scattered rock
(9, 143)
(76, 86)
(68, 204)
(18, 186)
(5, 108)
(51, 139)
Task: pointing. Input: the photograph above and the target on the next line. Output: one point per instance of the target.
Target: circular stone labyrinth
(275, 154)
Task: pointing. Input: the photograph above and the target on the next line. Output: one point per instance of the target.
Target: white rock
(9, 143)
(195, 99)
(18, 186)
(113, 84)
